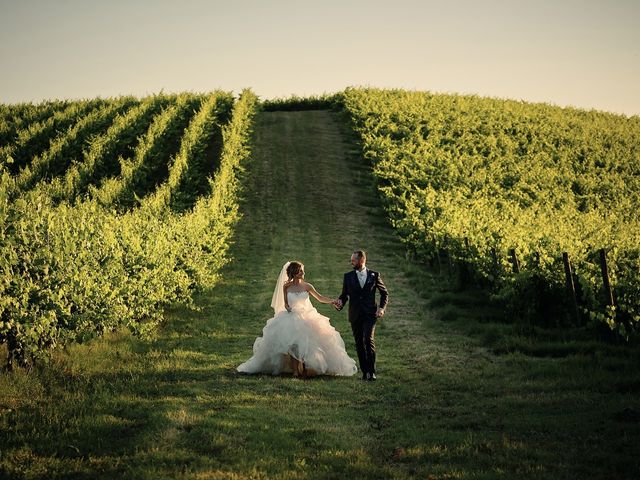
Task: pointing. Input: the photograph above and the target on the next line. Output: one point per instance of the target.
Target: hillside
(460, 394)
(508, 188)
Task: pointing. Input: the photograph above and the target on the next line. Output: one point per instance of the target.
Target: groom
(360, 287)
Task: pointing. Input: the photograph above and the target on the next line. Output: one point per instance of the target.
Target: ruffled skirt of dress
(304, 334)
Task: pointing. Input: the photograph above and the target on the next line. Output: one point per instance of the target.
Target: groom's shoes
(365, 376)
(370, 377)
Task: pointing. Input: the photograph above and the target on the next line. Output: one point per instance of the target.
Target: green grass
(459, 395)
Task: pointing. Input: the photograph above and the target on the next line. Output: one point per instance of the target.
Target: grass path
(444, 407)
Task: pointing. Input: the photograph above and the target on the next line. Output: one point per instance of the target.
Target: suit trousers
(363, 333)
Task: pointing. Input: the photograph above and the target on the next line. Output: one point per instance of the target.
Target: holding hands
(337, 303)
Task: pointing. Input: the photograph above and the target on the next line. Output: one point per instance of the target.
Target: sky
(583, 53)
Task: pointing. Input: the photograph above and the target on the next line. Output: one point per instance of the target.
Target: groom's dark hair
(360, 254)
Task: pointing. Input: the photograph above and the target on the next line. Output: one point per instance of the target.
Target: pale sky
(564, 52)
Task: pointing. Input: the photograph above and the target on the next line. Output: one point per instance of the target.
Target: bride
(298, 339)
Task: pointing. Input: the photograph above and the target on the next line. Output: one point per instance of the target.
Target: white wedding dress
(303, 333)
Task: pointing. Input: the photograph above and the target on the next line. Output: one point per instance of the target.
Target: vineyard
(111, 210)
(140, 239)
(531, 200)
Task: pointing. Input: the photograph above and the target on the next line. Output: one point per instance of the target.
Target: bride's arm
(317, 296)
(286, 300)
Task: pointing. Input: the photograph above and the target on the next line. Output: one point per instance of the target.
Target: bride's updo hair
(293, 269)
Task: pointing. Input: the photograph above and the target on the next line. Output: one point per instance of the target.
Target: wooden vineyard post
(605, 277)
(514, 260)
(570, 285)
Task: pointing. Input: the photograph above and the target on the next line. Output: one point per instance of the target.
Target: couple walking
(301, 341)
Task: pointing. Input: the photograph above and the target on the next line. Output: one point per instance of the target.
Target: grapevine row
(481, 177)
(194, 149)
(149, 157)
(35, 138)
(104, 150)
(14, 118)
(68, 147)
(73, 271)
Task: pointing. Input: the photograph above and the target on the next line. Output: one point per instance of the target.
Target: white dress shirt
(362, 276)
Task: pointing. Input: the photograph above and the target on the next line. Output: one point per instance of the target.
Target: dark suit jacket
(363, 299)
